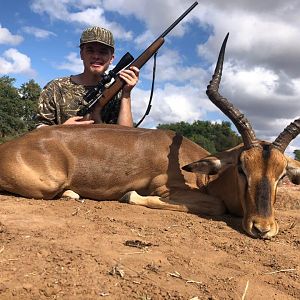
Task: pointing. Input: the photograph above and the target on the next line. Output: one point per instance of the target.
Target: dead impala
(155, 168)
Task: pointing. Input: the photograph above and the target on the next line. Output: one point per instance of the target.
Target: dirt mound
(107, 250)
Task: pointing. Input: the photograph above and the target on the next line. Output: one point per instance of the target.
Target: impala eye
(282, 176)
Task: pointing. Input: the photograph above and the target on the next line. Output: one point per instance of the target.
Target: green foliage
(213, 137)
(10, 108)
(297, 154)
(30, 93)
(17, 107)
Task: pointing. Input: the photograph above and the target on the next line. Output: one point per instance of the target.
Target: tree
(10, 108)
(297, 154)
(30, 93)
(211, 136)
(17, 107)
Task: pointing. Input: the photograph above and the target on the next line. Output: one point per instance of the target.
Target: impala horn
(287, 135)
(241, 123)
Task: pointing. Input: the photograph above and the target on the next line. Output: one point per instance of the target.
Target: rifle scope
(106, 78)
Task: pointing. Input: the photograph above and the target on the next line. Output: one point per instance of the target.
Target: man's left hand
(131, 77)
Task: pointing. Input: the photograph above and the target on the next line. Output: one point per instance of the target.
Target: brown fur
(144, 167)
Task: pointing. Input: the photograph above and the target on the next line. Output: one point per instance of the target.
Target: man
(62, 98)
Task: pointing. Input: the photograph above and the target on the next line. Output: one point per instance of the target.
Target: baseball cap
(97, 34)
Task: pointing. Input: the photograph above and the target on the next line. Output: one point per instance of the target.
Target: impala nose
(261, 230)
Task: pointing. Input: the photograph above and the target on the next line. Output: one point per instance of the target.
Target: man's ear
(112, 58)
(81, 53)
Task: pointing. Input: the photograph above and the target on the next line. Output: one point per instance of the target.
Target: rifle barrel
(103, 98)
(179, 19)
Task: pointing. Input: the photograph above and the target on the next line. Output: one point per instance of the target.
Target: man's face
(96, 57)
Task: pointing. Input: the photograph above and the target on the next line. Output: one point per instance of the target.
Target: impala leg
(157, 202)
(187, 201)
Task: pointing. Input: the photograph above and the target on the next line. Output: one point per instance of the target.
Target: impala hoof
(70, 194)
(125, 198)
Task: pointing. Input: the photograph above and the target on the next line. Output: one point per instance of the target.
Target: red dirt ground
(64, 249)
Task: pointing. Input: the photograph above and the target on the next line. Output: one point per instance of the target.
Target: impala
(155, 168)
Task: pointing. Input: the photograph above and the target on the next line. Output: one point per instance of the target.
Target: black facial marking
(266, 151)
(263, 197)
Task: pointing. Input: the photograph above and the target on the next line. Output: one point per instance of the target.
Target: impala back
(98, 161)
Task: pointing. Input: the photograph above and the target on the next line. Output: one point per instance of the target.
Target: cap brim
(96, 41)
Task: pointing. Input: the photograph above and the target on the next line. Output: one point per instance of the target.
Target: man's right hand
(78, 120)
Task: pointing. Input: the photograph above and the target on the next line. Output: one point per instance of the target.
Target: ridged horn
(241, 123)
(287, 135)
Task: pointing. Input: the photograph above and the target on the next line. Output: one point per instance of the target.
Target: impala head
(251, 170)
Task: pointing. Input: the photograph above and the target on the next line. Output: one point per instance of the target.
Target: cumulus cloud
(171, 104)
(84, 13)
(14, 62)
(7, 38)
(72, 63)
(57, 10)
(269, 44)
(261, 73)
(156, 14)
(38, 32)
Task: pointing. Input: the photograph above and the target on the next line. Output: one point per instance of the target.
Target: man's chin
(97, 70)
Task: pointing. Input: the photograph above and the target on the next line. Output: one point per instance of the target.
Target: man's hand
(77, 120)
(131, 77)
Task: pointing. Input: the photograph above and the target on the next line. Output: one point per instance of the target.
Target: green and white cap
(97, 34)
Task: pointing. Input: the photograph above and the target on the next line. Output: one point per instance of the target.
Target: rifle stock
(118, 84)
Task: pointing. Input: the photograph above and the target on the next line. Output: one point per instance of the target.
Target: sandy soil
(64, 249)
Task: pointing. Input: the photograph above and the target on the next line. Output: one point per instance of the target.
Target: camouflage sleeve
(46, 113)
(110, 111)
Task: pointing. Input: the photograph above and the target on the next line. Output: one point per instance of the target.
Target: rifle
(91, 98)
(107, 94)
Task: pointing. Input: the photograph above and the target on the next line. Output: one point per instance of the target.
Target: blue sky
(39, 39)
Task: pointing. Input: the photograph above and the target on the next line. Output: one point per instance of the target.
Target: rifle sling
(151, 93)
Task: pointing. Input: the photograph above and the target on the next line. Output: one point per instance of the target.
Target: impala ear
(293, 170)
(212, 165)
(209, 165)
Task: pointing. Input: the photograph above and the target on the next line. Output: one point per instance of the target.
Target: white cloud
(84, 13)
(73, 63)
(8, 38)
(38, 32)
(255, 82)
(144, 39)
(171, 104)
(172, 67)
(261, 75)
(14, 62)
(256, 37)
(156, 14)
(56, 10)
(254, 91)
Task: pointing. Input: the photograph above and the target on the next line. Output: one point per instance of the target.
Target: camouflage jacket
(61, 99)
